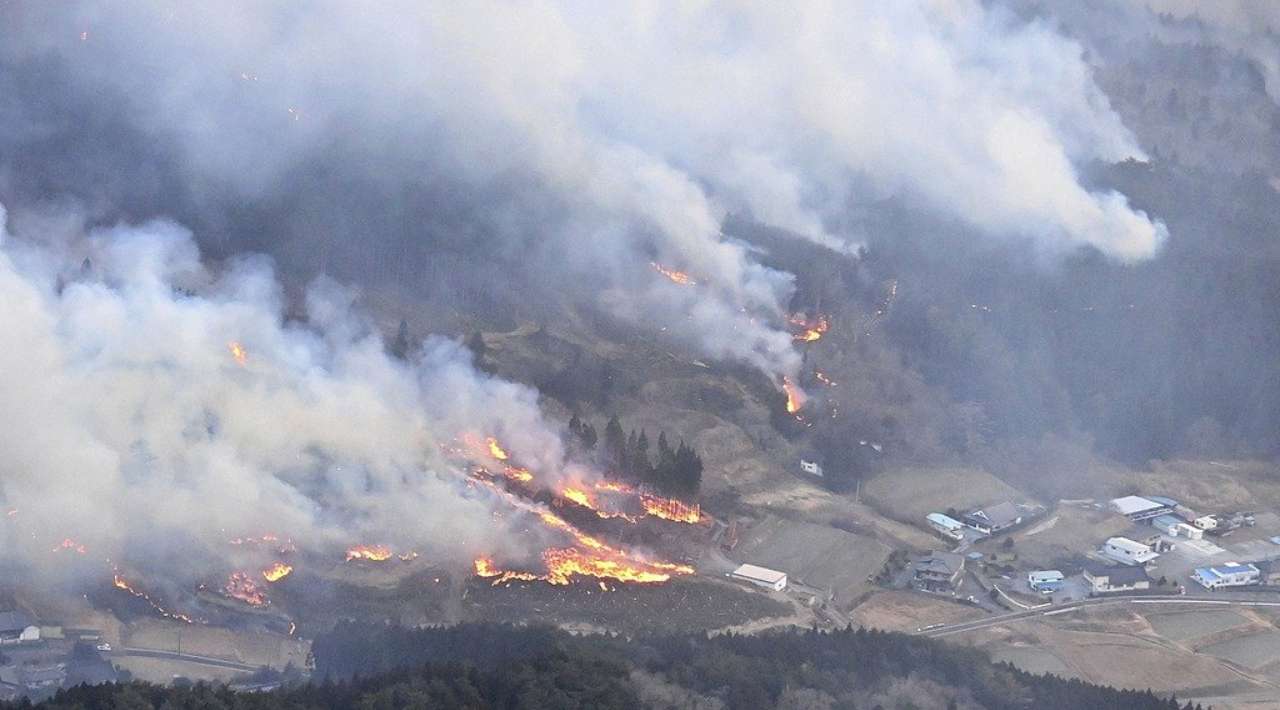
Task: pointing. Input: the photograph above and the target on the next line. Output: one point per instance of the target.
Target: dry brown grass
(911, 493)
(908, 611)
(252, 648)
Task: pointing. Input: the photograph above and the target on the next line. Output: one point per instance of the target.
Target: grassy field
(908, 611)
(909, 494)
(252, 648)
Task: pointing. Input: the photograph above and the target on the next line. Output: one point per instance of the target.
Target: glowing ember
(241, 586)
(517, 473)
(269, 540)
(369, 553)
(238, 353)
(671, 509)
(69, 544)
(277, 572)
(678, 277)
(809, 331)
(795, 395)
(123, 585)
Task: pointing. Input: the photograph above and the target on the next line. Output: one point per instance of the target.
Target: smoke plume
(153, 403)
(565, 145)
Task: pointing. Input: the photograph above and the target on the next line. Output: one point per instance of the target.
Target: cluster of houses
(37, 660)
(1157, 518)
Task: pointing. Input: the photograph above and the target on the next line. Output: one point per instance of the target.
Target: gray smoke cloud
(1239, 25)
(132, 427)
(575, 143)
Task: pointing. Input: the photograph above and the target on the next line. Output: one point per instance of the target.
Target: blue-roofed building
(1046, 581)
(948, 527)
(1232, 574)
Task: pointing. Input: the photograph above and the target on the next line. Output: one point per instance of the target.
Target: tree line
(626, 457)
(372, 667)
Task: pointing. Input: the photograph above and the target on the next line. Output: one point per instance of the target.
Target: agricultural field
(907, 611)
(817, 555)
(1195, 624)
(909, 494)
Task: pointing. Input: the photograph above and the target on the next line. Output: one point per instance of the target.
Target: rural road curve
(950, 629)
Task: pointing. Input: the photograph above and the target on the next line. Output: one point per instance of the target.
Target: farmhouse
(761, 577)
(1232, 574)
(946, 526)
(18, 627)
(939, 571)
(1137, 508)
(1103, 579)
(994, 519)
(1126, 551)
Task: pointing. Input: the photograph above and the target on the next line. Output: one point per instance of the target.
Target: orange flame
(671, 509)
(238, 353)
(795, 395)
(370, 553)
(123, 585)
(809, 331)
(240, 586)
(677, 277)
(588, 500)
(496, 450)
(563, 564)
(277, 572)
(591, 558)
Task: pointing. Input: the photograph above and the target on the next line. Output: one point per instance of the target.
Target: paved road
(189, 658)
(1219, 600)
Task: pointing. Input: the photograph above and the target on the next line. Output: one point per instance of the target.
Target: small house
(1232, 574)
(1046, 581)
(939, 571)
(1104, 579)
(1126, 551)
(997, 518)
(813, 468)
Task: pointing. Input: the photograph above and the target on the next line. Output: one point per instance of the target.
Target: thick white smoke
(130, 425)
(641, 124)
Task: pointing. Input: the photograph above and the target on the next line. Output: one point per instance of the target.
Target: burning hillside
(808, 330)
